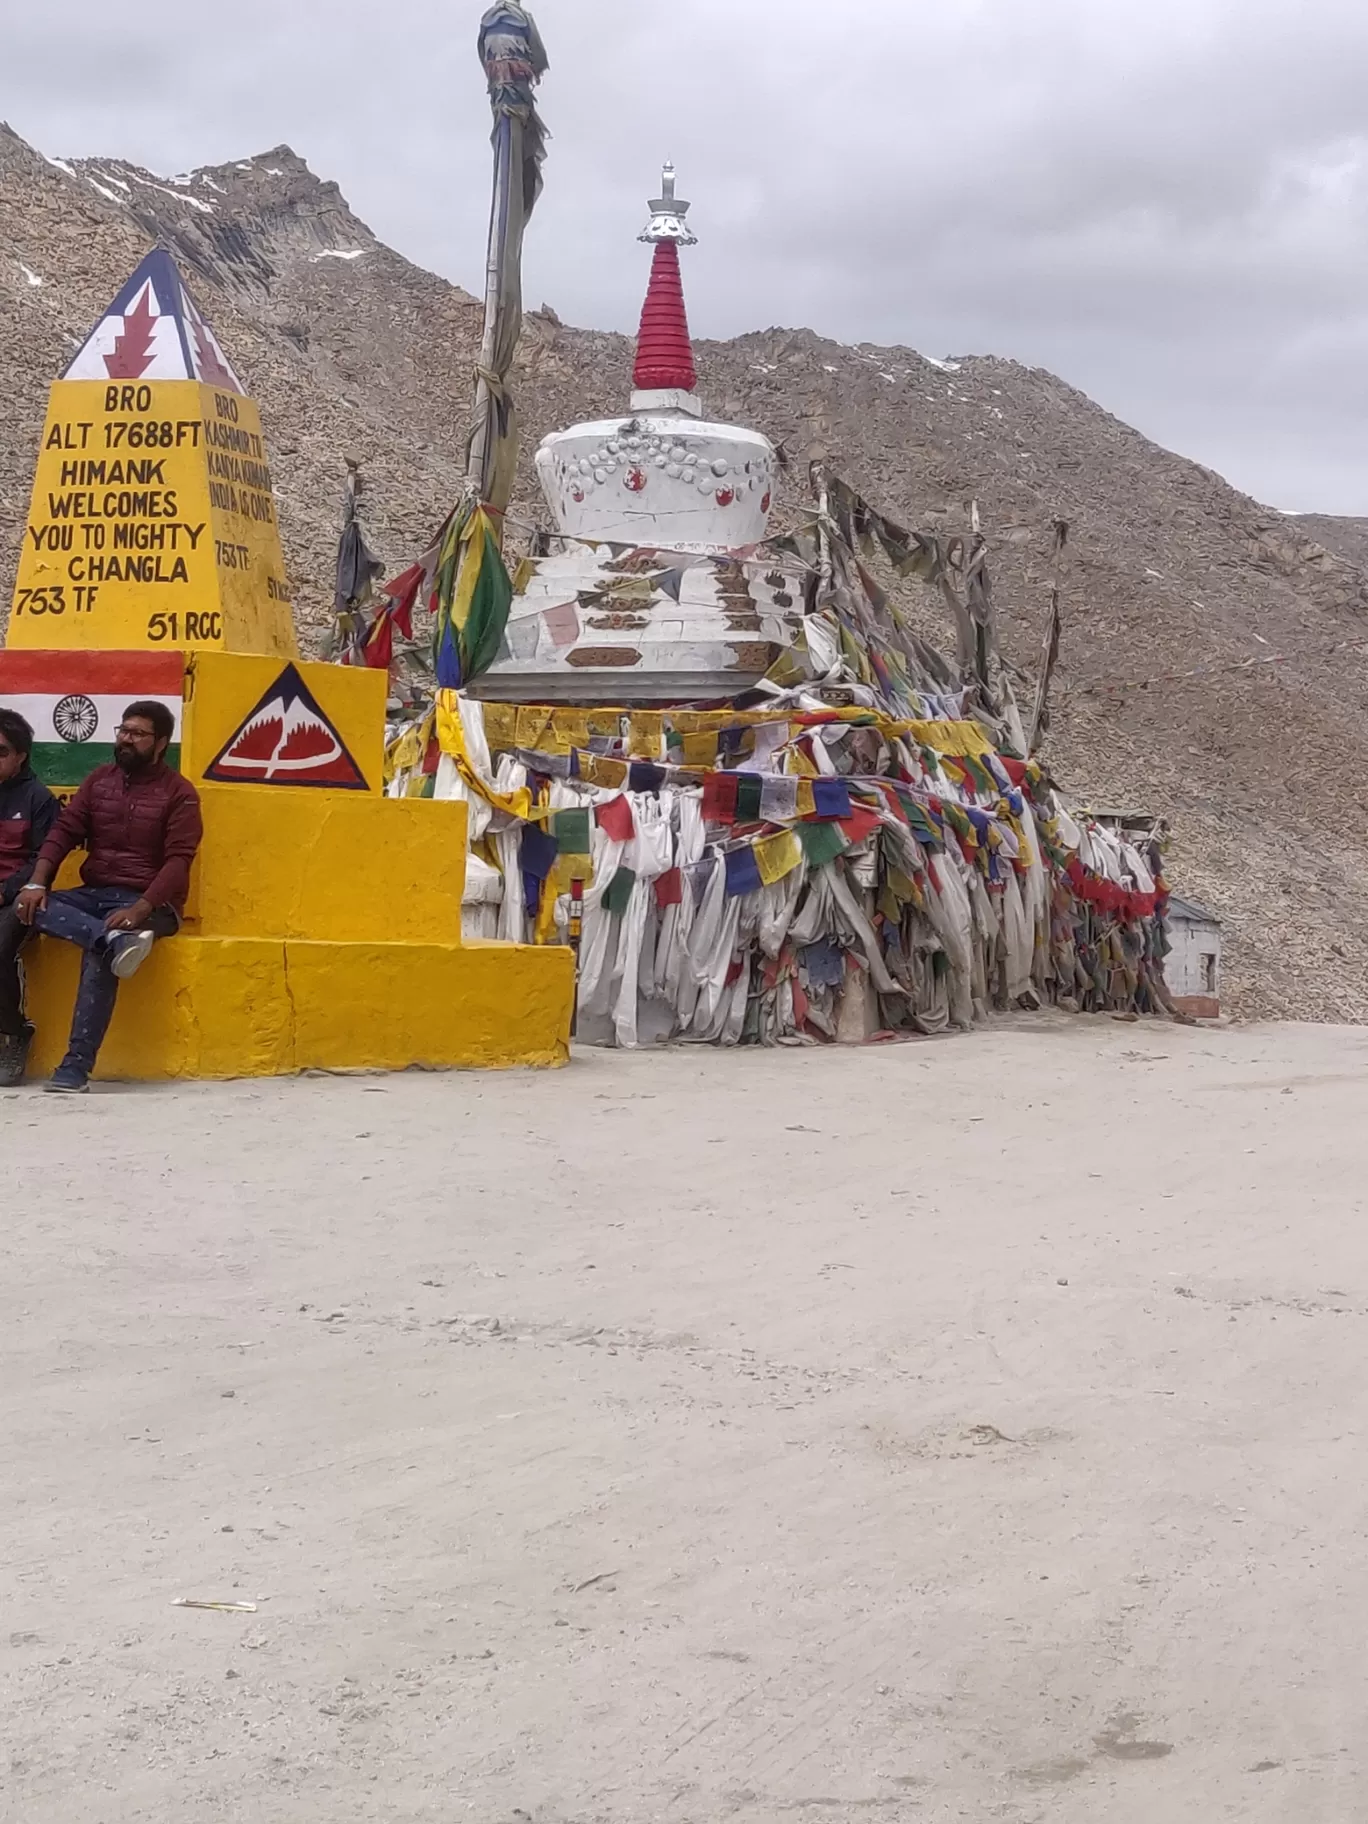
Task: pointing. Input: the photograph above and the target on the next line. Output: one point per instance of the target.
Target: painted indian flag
(75, 700)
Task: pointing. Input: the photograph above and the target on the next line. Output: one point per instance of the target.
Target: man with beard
(139, 823)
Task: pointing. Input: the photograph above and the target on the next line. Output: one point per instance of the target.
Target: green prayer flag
(489, 606)
(749, 786)
(620, 891)
(822, 842)
(571, 831)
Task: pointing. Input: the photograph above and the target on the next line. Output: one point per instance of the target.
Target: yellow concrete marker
(152, 522)
(323, 928)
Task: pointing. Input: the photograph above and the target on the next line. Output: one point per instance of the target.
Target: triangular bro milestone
(154, 331)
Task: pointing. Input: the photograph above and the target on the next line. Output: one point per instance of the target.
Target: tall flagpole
(514, 61)
(498, 230)
(469, 589)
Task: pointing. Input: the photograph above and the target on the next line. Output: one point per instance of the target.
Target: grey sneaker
(132, 953)
(14, 1051)
(65, 1081)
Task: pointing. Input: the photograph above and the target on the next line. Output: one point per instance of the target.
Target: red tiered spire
(664, 349)
(665, 362)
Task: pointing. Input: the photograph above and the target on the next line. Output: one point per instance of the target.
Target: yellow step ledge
(252, 1007)
(323, 925)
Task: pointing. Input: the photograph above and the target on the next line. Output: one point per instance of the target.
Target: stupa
(656, 589)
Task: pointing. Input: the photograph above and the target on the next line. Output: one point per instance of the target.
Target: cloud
(1165, 203)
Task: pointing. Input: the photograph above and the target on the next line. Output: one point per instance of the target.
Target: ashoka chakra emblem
(75, 719)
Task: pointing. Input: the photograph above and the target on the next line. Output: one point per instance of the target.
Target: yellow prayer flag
(570, 868)
(605, 721)
(599, 770)
(571, 729)
(406, 752)
(777, 856)
(963, 738)
(700, 749)
(451, 740)
(544, 930)
(534, 721)
(645, 740)
(500, 725)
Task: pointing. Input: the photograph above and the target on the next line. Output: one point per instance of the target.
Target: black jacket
(28, 811)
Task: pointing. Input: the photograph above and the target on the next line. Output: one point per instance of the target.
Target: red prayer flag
(403, 592)
(894, 803)
(719, 797)
(616, 821)
(860, 823)
(670, 889)
(378, 651)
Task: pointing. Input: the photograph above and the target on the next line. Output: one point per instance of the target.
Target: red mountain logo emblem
(287, 740)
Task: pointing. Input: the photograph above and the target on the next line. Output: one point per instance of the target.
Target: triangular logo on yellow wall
(287, 740)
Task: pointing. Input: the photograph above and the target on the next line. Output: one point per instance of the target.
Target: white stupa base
(657, 676)
(650, 627)
(673, 400)
(660, 478)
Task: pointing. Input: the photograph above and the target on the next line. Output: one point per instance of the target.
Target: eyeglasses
(5, 752)
(134, 734)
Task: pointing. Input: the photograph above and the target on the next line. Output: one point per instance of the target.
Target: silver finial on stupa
(667, 215)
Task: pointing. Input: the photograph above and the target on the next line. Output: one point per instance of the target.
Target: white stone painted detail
(660, 479)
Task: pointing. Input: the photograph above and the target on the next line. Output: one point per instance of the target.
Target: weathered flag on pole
(471, 591)
(515, 62)
(474, 593)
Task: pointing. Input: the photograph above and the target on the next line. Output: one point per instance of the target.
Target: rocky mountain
(1345, 536)
(1213, 667)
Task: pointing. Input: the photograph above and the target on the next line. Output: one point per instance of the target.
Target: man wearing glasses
(139, 823)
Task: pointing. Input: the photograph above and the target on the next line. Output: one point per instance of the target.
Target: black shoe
(65, 1081)
(14, 1051)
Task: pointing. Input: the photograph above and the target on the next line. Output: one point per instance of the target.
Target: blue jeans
(79, 915)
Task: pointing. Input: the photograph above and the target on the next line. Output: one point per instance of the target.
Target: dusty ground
(962, 1431)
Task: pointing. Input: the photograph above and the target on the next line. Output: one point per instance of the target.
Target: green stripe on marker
(65, 763)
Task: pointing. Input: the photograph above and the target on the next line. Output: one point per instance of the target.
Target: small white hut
(1193, 966)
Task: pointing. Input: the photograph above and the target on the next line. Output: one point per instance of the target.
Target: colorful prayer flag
(719, 798)
(822, 842)
(472, 593)
(743, 873)
(616, 821)
(539, 850)
(777, 856)
(779, 800)
(831, 797)
(749, 787)
(642, 776)
(860, 824)
(619, 891)
(700, 750)
(571, 831)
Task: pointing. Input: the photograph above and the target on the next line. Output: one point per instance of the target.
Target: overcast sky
(1164, 201)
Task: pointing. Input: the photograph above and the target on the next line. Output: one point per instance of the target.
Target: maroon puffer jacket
(141, 830)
